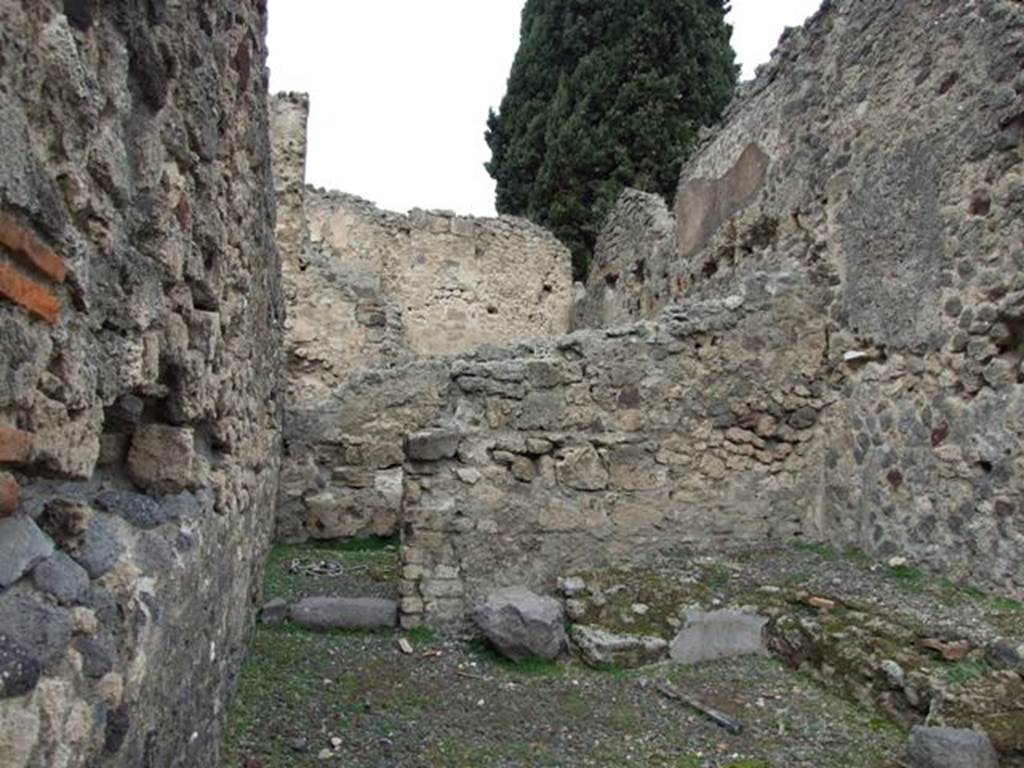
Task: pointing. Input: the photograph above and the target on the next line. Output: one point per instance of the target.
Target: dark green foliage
(605, 94)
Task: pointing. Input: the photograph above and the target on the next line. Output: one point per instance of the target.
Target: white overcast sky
(400, 88)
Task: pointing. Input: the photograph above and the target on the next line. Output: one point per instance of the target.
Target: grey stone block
(139, 510)
(98, 655)
(274, 612)
(950, 748)
(326, 613)
(433, 445)
(22, 547)
(598, 647)
(43, 631)
(521, 624)
(100, 549)
(718, 635)
(62, 578)
(19, 670)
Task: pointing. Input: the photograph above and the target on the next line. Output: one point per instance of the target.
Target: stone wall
(699, 429)
(635, 271)
(881, 151)
(371, 297)
(140, 312)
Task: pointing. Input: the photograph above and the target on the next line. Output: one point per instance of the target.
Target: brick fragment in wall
(15, 446)
(29, 294)
(26, 245)
(8, 495)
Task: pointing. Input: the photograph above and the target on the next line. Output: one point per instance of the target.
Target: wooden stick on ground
(719, 718)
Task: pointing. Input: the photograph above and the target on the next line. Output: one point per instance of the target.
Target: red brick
(29, 294)
(25, 244)
(8, 496)
(15, 446)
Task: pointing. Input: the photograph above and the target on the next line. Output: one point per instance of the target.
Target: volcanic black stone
(19, 671)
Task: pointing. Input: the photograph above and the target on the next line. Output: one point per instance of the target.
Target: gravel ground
(349, 699)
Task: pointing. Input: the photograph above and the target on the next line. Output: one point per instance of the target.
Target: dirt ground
(354, 699)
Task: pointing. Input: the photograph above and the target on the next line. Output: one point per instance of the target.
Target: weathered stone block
(600, 648)
(22, 547)
(162, 459)
(950, 748)
(718, 635)
(432, 445)
(521, 624)
(327, 613)
(580, 468)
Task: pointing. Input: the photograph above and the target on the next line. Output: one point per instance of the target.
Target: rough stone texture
(601, 648)
(521, 624)
(327, 613)
(706, 636)
(879, 154)
(136, 196)
(634, 272)
(343, 456)
(950, 748)
(604, 445)
(22, 546)
(368, 291)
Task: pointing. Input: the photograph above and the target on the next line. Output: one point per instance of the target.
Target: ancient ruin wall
(635, 271)
(882, 151)
(601, 447)
(371, 297)
(140, 309)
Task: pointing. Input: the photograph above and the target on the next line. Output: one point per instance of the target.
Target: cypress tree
(605, 94)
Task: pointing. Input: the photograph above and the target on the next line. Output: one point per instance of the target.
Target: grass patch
(1007, 605)
(749, 763)
(421, 635)
(908, 577)
(961, 672)
(527, 668)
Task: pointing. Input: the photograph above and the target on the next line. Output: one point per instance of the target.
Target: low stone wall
(700, 428)
(140, 337)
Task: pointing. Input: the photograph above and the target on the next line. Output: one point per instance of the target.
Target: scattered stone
(640, 609)
(299, 744)
(950, 748)
(718, 635)
(1001, 655)
(575, 609)
(571, 586)
(893, 673)
(948, 651)
(19, 670)
(405, 646)
(22, 547)
(62, 578)
(274, 612)
(326, 613)
(600, 648)
(325, 754)
(821, 603)
(139, 510)
(100, 549)
(897, 562)
(521, 624)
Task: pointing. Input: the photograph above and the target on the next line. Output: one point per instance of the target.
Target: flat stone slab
(599, 647)
(719, 635)
(327, 613)
(950, 748)
(22, 547)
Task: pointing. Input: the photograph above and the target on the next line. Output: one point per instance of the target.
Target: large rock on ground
(521, 624)
(718, 635)
(950, 748)
(327, 613)
(600, 648)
